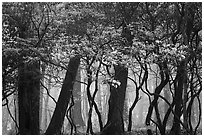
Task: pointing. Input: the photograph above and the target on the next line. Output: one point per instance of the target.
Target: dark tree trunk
(28, 98)
(115, 124)
(176, 128)
(64, 97)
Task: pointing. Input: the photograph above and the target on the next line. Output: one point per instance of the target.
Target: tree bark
(176, 128)
(28, 98)
(115, 124)
(64, 97)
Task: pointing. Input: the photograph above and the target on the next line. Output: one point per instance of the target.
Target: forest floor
(144, 132)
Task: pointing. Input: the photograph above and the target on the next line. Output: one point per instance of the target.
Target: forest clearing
(101, 68)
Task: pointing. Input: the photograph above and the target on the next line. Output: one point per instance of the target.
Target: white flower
(115, 83)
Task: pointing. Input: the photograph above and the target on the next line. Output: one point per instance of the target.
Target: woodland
(101, 68)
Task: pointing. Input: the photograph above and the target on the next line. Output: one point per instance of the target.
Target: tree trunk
(28, 98)
(115, 124)
(64, 97)
(176, 128)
